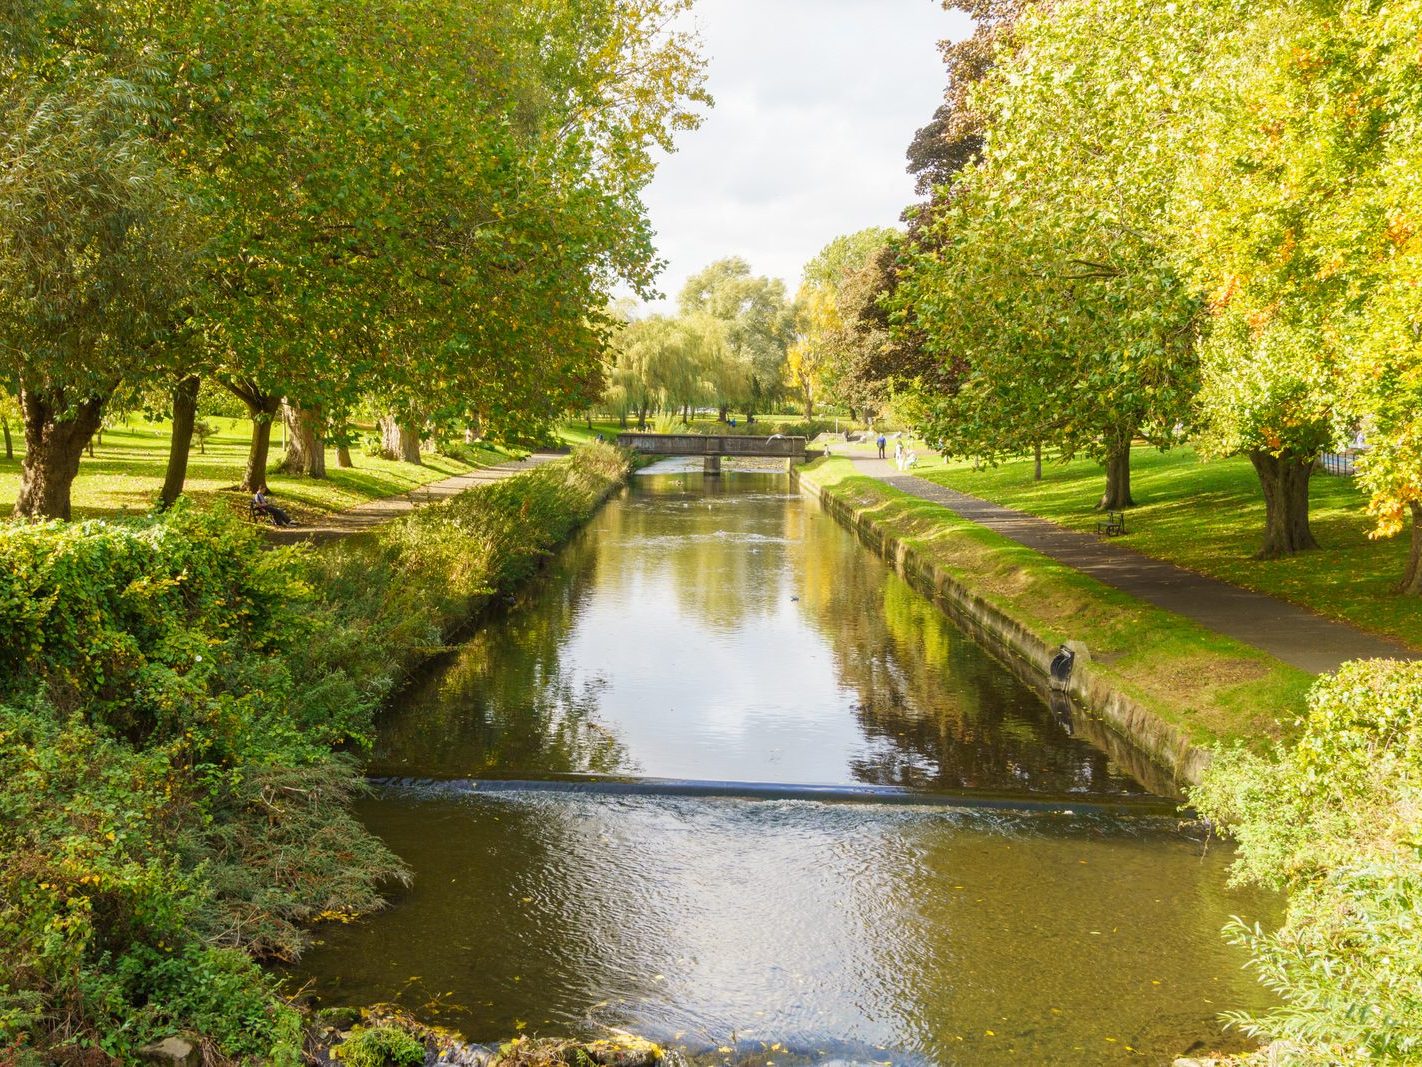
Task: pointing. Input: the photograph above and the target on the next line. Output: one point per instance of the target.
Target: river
(1037, 905)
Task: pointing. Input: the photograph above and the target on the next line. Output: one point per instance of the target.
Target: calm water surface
(724, 629)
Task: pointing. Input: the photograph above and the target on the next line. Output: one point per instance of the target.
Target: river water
(705, 633)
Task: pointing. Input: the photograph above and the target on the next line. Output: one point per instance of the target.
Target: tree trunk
(305, 440)
(400, 439)
(53, 449)
(180, 445)
(1037, 462)
(9, 444)
(642, 417)
(1284, 479)
(1118, 477)
(343, 457)
(1412, 579)
(623, 419)
(723, 413)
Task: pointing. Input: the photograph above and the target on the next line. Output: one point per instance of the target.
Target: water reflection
(724, 628)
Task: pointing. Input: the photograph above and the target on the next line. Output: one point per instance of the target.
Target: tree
(758, 328)
(1303, 231)
(836, 344)
(953, 138)
(94, 239)
(431, 208)
(1047, 270)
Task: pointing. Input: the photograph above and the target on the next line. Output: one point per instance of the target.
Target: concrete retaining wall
(1156, 753)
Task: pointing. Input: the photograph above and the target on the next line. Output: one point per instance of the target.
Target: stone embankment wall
(1155, 752)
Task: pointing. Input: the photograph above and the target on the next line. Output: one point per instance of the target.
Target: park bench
(257, 514)
(1113, 524)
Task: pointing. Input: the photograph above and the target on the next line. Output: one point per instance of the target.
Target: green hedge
(1335, 821)
(181, 716)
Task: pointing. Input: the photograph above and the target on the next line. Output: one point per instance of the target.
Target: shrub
(172, 699)
(1336, 822)
(381, 1046)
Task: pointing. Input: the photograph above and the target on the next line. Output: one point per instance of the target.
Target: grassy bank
(181, 717)
(1209, 518)
(1211, 687)
(126, 472)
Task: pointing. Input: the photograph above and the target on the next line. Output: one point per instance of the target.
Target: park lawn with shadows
(1212, 687)
(1208, 517)
(126, 472)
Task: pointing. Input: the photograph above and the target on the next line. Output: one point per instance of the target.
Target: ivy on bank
(179, 714)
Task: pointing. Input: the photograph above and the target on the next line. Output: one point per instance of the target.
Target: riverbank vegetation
(1210, 687)
(1333, 822)
(182, 725)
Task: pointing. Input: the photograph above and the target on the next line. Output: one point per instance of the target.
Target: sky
(816, 102)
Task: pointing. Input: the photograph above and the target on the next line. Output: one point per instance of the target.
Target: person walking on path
(883, 443)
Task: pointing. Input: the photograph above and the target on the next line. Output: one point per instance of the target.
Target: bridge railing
(690, 444)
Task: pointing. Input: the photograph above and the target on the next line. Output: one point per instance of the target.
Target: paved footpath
(372, 513)
(1291, 633)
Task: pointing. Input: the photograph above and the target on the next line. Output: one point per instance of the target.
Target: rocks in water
(171, 1052)
(446, 1049)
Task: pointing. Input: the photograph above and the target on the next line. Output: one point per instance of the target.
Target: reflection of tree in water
(939, 713)
(671, 538)
(504, 703)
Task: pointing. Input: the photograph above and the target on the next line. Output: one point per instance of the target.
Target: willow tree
(1046, 270)
(757, 325)
(94, 239)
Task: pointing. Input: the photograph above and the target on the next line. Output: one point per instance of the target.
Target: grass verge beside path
(1212, 687)
(127, 470)
(1209, 518)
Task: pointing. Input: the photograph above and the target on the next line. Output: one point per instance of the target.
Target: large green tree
(94, 245)
(1046, 272)
(1300, 224)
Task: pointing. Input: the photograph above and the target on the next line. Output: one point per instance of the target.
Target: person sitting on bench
(261, 505)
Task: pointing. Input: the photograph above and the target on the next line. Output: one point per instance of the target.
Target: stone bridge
(713, 447)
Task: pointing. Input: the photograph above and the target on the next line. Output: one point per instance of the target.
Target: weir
(1066, 805)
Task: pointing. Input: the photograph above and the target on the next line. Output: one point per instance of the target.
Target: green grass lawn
(1209, 518)
(126, 473)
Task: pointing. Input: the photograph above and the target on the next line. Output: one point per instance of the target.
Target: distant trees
(316, 206)
(725, 349)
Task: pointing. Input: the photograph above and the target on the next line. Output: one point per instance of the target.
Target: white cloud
(816, 102)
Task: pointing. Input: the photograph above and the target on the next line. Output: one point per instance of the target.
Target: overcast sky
(816, 101)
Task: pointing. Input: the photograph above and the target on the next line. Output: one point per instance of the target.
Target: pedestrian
(883, 443)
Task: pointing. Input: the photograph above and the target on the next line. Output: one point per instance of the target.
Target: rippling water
(724, 629)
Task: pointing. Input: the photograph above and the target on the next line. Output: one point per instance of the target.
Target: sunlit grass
(126, 473)
(1209, 518)
(1213, 687)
